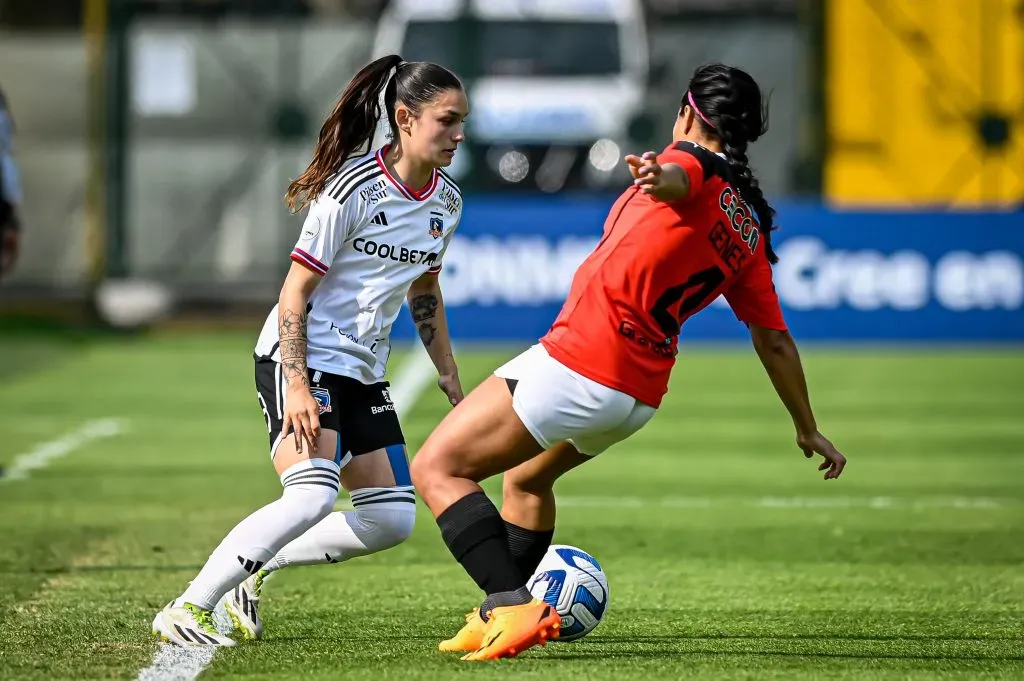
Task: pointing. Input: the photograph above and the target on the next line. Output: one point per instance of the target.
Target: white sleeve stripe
(344, 176)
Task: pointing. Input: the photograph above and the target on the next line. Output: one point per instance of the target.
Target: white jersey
(370, 237)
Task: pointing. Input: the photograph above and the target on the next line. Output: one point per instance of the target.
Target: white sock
(383, 517)
(310, 490)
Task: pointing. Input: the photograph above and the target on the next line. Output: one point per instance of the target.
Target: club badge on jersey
(436, 227)
(323, 399)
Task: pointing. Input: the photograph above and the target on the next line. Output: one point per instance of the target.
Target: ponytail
(728, 102)
(749, 188)
(348, 129)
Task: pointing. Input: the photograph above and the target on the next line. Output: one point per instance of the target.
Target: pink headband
(693, 105)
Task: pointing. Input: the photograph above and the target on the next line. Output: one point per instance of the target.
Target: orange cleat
(513, 629)
(469, 638)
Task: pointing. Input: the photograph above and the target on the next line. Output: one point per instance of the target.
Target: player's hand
(635, 162)
(301, 416)
(650, 176)
(816, 443)
(451, 386)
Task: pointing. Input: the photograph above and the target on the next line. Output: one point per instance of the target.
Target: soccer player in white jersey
(378, 224)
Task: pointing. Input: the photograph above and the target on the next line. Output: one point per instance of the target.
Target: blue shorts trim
(399, 465)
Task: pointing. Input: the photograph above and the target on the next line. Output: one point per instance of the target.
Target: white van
(553, 84)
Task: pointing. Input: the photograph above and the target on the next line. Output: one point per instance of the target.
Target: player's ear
(687, 115)
(403, 118)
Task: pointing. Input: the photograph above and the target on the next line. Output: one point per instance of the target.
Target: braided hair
(728, 103)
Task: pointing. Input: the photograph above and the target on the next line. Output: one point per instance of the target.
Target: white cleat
(242, 604)
(188, 625)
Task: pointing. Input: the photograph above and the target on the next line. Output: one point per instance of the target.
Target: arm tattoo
(424, 307)
(292, 334)
(427, 332)
(292, 324)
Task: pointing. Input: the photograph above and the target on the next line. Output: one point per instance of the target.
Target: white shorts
(555, 403)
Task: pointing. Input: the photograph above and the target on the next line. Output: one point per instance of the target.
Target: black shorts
(363, 415)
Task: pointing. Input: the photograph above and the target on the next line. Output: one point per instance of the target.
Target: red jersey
(657, 264)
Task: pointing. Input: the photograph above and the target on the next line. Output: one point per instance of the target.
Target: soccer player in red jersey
(694, 225)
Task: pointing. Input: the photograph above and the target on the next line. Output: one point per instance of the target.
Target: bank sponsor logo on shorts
(380, 409)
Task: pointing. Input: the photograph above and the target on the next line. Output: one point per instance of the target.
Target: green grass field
(727, 555)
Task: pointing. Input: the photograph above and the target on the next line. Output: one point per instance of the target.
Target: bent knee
(432, 462)
(311, 489)
(400, 526)
(319, 504)
(388, 526)
(420, 469)
(310, 504)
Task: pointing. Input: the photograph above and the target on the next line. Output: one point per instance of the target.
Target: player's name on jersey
(740, 217)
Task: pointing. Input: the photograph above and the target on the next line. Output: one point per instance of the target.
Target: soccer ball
(571, 581)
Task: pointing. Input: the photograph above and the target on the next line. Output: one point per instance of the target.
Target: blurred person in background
(378, 225)
(694, 225)
(10, 193)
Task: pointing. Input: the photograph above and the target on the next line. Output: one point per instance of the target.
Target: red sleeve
(752, 296)
(690, 164)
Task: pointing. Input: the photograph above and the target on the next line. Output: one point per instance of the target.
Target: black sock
(527, 547)
(475, 534)
(520, 596)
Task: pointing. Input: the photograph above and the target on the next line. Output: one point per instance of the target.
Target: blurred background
(155, 139)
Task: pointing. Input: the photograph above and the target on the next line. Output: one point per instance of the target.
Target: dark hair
(731, 100)
(350, 127)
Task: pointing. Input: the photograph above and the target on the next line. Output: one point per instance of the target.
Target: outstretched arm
(427, 307)
(665, 182)
(778, 353)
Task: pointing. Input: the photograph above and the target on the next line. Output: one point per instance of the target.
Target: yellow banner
(925, 102)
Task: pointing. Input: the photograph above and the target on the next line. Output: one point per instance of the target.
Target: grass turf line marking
(42, 455)
(176, 663)
(877, 503)
(172, 663)
(413, 377)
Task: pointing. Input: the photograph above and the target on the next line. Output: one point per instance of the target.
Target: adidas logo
(250, 566)
(380, 219)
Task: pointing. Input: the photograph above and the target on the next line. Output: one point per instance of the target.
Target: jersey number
(699, 287)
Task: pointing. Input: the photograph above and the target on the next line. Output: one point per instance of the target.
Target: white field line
(874, 503)
(45, 453)
(177, 663)
(413, 376)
